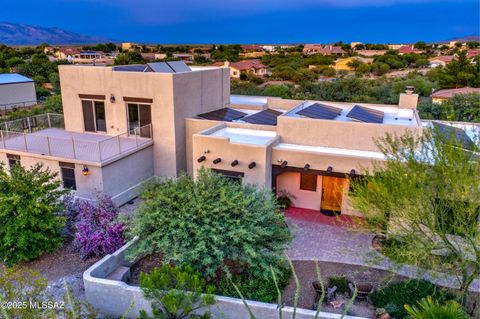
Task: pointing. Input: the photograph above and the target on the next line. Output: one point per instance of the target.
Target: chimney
(408, 100)
(226, 64)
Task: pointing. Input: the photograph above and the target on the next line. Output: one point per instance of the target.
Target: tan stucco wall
(175, 97)
(284, 104)
(17, 93)
(350, 135)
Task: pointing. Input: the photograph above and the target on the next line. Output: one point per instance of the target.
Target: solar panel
(320, 111)
(365, 114)
(455, 133)
(179, 66)
(132, 68)
(161, 67)
(265, 117)
(225, 114)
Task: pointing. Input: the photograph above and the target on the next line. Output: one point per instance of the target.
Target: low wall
(113, 298)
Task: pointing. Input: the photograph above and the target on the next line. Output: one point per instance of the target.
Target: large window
(13, 160)
(68, 175)
(235, 177)
(139, 117)
(308, 182)
(94, 116)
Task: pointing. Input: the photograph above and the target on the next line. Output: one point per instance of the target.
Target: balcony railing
(45, 135)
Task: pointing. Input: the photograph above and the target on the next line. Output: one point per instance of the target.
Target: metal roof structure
(320, 111)
(225, 114)
(9, 78)
(159, 67)
(265, 117)
(455, 133)
(365, 114)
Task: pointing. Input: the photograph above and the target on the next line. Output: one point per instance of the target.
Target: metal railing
(4, 108)
(34, 123)
(72, 145)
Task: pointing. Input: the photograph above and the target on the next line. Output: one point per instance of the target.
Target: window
(68, 175)
(235, 177)
(139, 117)
(94, 116)
(308, 182)
(13, 160)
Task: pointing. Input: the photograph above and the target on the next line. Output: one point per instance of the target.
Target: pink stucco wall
(290, 181)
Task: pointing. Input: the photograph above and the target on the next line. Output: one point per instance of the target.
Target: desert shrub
(175, 292)
(210, 223)
(394, 296)
(30, 213)
(340, 282)
(97, 230)
(254, 288)
(284, 199)
(22, 285)
(428, 308)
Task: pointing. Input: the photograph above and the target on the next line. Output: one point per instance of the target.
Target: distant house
(185, 57)
(370, 53)
(441, 96)
(127, 46)
(343, 64)
(153, 56)
(441, 60)
(472, 53)
(16, 91)
(325, 50)
(64, 53)
(408, 49)
(271, 48)
(246, 66)
(251, 48)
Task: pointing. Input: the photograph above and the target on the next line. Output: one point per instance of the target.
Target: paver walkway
(332, 239)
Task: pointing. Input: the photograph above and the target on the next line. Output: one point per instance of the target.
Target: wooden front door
(332, 194)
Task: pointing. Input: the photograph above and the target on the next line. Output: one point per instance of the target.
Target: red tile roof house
(325, 50)
(246, 66)
(64, 53)
(472, 53)
(408, 49)
(440, 60)
(252, 47)
(443, 95)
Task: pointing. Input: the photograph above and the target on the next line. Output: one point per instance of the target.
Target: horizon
(247, 21)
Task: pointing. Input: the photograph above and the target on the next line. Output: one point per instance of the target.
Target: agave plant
(428, 308)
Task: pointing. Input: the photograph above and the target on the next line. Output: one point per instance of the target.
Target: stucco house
(343, 64)
(441, 96)
(253, 66)
(16, 91)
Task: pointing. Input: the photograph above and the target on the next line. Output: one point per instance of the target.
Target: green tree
(53, 104)
(425, 200)
(176, 292)
(211, 222)
(460, 72)
(429, 308)
(131, 57)
(30, 213)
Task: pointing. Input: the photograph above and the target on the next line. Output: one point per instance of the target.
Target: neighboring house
(441, 60)
(251, 48)
(153, 56)
(473, 53)
(271, 48)
(408, 49)
(124, 125)
(325, 50)
(443, 95)
(92, 57)
(185, 57)
(254, 67)
(127, 46)
(395, 46)
(65, 53)
(343, 64)
(370, 53)
(16, 91)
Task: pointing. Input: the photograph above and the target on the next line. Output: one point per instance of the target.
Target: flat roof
(246, 136)
(331, 151)
(393, 115)
(248, 100)
(8, 78)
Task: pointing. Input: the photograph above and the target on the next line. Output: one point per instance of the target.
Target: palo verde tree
(425, 200)
(30, 213)
(213, 224)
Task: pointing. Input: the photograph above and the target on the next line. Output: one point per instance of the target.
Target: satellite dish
(70, 59)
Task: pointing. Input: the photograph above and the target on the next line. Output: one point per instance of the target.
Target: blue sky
(253, 21)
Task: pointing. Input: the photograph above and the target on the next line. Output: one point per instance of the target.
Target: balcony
(44, 135)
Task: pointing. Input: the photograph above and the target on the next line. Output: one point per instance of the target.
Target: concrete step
(122, 273)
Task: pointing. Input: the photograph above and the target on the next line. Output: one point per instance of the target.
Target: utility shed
(16, 91)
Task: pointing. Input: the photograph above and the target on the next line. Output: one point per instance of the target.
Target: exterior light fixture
(201, 159)
(352, 173)
(252, 165)
(112, 98)
(306, 167)
(234, 163)
(329, 170)
(284, 164)
(85, 170)
(217, 160)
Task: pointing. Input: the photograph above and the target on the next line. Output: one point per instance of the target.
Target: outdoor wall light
(217, 160)
(306, 167)
(252, 165)
(112, 98)
(284, 164)
(352, 173)
(329, 170)
(201, 159)
(85, 170)
(234, 163)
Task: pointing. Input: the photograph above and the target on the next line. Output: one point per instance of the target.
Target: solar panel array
(161, 67)
(265, 117)
(320, 111)
(179, 66)
(132, 68)
(455, 133)
(225, 114)
(365, 114)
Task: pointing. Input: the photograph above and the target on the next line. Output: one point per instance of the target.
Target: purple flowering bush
(97, 230)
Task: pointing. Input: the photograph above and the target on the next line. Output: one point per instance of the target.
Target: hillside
(23, 34)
